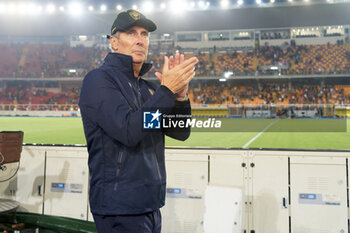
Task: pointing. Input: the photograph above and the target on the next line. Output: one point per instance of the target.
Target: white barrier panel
(223, 209)
(283, 191)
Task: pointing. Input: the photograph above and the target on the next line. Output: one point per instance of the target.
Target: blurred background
(276, 73)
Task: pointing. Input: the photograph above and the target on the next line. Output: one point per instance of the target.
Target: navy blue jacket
(126, 163)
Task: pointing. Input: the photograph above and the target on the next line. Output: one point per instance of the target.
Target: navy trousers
(143, 223)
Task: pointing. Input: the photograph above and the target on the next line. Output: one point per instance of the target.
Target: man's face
(133, 42)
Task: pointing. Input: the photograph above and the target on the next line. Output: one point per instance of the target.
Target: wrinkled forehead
(137, 28)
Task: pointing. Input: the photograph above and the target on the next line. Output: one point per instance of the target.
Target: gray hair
(116, 35)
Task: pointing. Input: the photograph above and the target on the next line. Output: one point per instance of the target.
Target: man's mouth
(139, 52)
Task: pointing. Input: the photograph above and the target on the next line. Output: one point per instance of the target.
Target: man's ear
(114, 43)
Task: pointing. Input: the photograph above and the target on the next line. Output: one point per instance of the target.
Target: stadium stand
(48, 60)
(255, 64)
(9, 58)
(58, 60)
(22, 95)
(269, 93)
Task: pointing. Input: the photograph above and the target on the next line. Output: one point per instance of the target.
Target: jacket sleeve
(182, 108)
(102, 102)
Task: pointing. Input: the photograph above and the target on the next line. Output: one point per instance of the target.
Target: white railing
(39, 107)
(233, 110)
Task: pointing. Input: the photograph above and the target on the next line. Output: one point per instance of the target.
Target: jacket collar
(124, 63)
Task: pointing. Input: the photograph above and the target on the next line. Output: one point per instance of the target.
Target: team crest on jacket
(151, 91)
(135, 15)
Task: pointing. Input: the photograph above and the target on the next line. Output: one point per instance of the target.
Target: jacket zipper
(155, 152)
(119, 166)
(119, 163)
(138, 92)
(157, 165)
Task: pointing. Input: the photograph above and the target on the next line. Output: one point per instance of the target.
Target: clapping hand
(177, 74)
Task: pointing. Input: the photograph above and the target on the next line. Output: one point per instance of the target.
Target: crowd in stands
(48, 60)
(27, 97)
(275, 60)
(61, 60)
(287, 60)
(269, 94)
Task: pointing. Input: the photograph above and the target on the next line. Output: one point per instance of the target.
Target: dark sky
(128, 3)
(242, 18)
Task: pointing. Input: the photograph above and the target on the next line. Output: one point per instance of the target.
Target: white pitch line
(259, 134)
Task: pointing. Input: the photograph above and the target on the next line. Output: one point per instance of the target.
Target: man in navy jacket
(126, 161)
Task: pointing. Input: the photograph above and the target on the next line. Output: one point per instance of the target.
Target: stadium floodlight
(224, 3)
(240, 2)
(290, 0)
(272, 1)
(61, 8)
(11, 8)
(258, 2)
(50, 8)
(192, 4)
(33, 9)
(222, 80)
(39, 9)
(147, 6)
(91, 8)
(103, 8)
(2, 8)
(21, 8)
(178, 7)
(201, 4)
(134, 7)
(119, 7)
(75, 8)
(162, 6)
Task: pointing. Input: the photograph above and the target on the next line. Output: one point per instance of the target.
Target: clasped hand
(177, 73)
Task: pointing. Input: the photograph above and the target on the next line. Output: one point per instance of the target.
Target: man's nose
(140, 39)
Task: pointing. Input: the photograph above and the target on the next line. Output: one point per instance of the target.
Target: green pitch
(247, 133)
